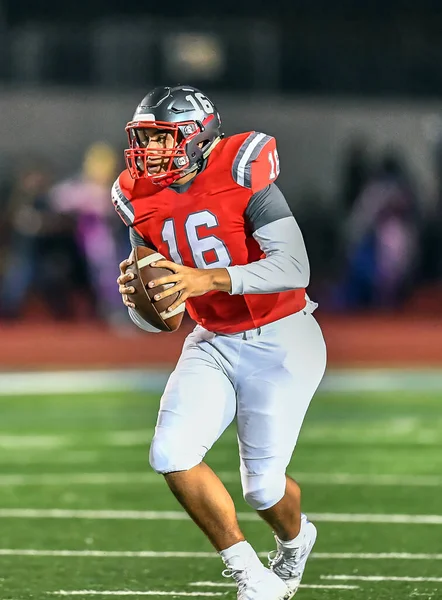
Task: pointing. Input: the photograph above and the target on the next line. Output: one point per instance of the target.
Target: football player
(210, 204)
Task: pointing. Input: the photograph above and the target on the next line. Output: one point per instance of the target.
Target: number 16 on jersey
(199, 246)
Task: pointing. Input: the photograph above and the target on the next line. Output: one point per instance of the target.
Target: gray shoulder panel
(267, 206)
(122, 205)
(249, 151)
(136, 239)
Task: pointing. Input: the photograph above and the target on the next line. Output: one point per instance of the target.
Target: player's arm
(121, 191)
(137, 240)
(285, 266)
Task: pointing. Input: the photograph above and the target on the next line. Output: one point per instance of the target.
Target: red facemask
(174, 160)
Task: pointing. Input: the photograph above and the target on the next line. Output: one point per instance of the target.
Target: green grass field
(373, 458)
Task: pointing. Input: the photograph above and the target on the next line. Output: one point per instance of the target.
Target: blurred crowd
(378, 244)
(61, 242)
(370, 248)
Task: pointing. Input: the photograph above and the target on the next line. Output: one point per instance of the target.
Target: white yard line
(379, 578)
(79, 479)
(155, 554)
(375, 556)
(382, 380)
(171, 515)
(61, 513)
(25, 442)
(82, 382)
(377, 518)
(338, 380)
(123, 438)
(131, 593)
(369, 480)
(303, 585)
(167, 593)
(105, 554)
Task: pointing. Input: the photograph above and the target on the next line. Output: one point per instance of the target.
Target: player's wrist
(220, 280)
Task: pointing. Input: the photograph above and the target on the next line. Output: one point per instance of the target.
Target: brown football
(153, 312)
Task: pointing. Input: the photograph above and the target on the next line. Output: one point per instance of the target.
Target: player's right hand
(124, 279)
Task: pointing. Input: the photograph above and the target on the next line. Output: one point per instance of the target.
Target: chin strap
(208, 150)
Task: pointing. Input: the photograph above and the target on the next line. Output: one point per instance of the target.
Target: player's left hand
(189, 281)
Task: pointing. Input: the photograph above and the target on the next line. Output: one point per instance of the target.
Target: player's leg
(284, 517)
(198, 404)
(282, 370)
(273, 398)
(204, 497)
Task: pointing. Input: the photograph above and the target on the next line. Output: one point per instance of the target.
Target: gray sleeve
(136, 239)
(266, 206)
(285, 266)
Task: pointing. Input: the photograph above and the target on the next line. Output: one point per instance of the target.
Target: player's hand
(124, 280)
(190, 282)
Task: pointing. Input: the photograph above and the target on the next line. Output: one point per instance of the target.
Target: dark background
(346, 47)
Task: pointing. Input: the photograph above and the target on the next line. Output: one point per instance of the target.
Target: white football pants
(266, 377)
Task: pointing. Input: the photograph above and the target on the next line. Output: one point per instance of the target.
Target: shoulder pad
(256, 163)
(121, 194)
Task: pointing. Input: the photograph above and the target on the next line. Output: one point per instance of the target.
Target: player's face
(156, 140)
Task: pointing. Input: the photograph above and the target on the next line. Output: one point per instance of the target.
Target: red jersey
(205, 227)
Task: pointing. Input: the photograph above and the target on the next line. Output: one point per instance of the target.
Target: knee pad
(168, 454)
(265, 490)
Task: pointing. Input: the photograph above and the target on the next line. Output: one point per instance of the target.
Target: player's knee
(167, 455)
(263, 491)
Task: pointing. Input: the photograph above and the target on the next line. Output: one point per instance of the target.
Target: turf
(355, 434)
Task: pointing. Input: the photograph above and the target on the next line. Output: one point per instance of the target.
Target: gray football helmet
(188, 115)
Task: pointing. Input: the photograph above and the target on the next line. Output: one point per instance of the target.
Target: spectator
(356, 172)
(382, 250)
(432, 238)
(86, 197)
(33, 237)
